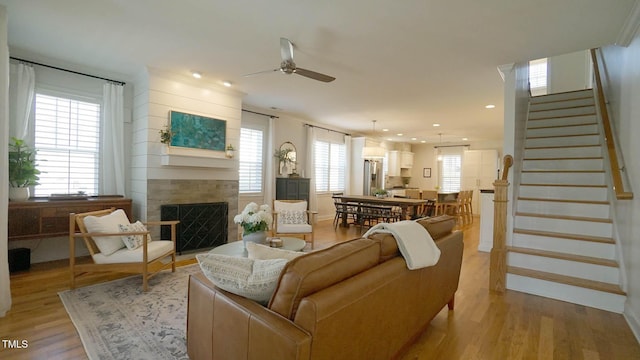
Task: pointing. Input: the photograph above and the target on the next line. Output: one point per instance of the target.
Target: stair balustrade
(498, 259)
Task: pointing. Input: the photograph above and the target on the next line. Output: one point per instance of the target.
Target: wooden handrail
(618, 186)
(508, 162)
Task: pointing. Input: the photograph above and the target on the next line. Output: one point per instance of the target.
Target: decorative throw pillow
(292, 217)
(252, 278)
(107, 224)
(133, 241)
(263, 252)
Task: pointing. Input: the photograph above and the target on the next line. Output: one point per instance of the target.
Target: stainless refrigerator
(373, 176)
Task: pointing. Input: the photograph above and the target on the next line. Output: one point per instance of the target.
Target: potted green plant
(22, 170)
(165, 135)
(381, 193)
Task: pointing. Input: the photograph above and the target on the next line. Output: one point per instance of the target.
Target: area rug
(117, 320)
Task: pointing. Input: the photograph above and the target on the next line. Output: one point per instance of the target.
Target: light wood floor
(483, 325)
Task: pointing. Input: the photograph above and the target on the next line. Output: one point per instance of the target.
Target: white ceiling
(406, 63)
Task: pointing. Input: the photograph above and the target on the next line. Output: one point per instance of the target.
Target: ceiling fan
(287, 66)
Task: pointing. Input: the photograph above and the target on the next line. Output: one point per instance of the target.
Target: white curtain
(347, 165)
(5, 286)
(111, 180)
(269, 173)
(311, 167)
(22, 81)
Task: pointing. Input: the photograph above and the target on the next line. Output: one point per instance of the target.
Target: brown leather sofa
(354, 300)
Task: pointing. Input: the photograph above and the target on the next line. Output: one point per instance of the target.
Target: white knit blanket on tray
(414, 241)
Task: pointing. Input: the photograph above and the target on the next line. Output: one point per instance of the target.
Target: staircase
(563, 245)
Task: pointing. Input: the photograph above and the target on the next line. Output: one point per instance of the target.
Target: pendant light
(439, 151)
(373, 152)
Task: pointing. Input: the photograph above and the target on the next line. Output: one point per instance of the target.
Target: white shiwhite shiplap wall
(156, 94)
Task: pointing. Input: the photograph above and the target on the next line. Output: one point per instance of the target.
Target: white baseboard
(632, 320)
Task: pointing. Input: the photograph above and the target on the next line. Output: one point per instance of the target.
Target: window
(450, 174)
(67, 136)
(330, 166)
(251, 160)
(538, 77)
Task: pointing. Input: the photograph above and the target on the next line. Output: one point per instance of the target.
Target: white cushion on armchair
(292, 217)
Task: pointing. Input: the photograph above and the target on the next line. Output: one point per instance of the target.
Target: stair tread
(559, 136)
(563, 107)
(561, 116)
(564, 217)
(567, 158)
(564, 256)
(568, 280)
(560, 147)
(562, 171)
(560, 126)
(565, 185)
(598, 239)
(588, 202)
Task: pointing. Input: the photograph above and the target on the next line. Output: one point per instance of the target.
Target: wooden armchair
(291, 218)
(103, 236)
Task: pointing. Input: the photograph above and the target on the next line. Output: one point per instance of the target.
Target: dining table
(403, 203)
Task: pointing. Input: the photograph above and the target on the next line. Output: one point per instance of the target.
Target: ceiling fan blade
(314, 75)
(286, 49)
(261, 72)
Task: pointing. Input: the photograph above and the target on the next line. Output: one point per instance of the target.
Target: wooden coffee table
(236, 248)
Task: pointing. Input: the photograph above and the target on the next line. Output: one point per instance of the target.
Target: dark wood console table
(42, 217)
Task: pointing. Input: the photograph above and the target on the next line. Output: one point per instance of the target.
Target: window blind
(250, 160)
(330, 160)
(538, 76)
(67, 136)
(451, 173)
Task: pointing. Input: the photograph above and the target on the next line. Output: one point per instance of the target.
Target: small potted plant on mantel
(22, 170)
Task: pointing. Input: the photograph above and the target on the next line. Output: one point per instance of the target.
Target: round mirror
(288, 158)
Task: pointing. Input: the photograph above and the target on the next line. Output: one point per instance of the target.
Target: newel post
(498, 265)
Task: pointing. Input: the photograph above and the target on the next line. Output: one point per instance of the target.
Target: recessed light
(399, 134)
(490, 106)
(196, 75)
(226, 83)
(389, 139)
(436, 125)
(465, 139)
(385, 130)
(423, 141)
(414, 139)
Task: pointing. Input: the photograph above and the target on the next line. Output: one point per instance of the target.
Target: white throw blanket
(414, 241)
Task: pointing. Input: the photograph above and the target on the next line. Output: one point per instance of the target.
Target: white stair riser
(562, 96)
(561, 104)
(576, 227)
(564, 208)
(572, 120)
(562, 141)
(584, 110)
(588, 151)
(564, 164)
(563, 178)
(573, 294)
(564, 130)
(569, 246)
(562, 192)
(606, 274)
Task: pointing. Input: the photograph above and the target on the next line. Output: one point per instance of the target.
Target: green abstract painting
(199, 132)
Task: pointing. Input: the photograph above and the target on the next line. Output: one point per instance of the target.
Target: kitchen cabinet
(479, 171)
(406, 160)
(393, 163)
